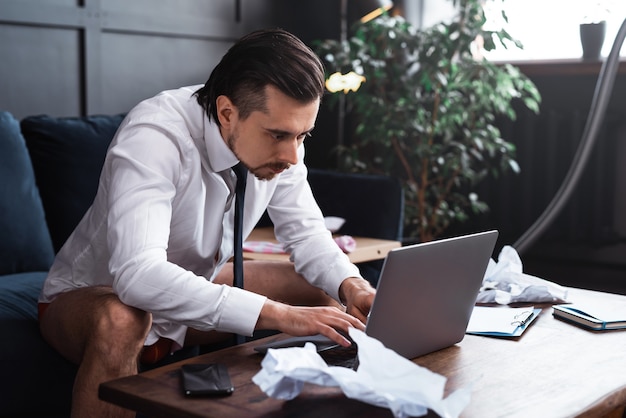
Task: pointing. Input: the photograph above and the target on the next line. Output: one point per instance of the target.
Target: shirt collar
(220, 157)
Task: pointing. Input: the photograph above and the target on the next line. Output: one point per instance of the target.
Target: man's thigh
(68, 320)
(278, 281)
(275, 279)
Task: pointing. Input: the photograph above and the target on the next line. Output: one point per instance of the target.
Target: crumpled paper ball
(383, 378)
(505, 282)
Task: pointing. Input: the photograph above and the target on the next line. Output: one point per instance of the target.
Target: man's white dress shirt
(160, 227)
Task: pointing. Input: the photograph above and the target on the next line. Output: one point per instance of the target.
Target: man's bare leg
(92, 328)
(275, 279)
(278, 281)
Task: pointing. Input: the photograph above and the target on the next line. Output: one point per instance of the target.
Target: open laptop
(425, 295)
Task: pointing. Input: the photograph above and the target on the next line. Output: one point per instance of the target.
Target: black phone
(206, 380)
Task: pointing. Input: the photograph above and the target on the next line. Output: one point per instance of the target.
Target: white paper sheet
(501, 321)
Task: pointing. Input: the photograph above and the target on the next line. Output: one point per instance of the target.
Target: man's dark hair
(265, 57)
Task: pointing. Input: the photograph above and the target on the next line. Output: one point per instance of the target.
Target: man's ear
(226, 110)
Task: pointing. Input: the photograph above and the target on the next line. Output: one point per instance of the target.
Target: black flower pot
(591, 38)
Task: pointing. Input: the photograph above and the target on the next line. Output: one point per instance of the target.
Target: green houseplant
(427, 111)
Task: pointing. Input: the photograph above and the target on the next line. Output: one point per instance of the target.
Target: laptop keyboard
(332, 353)
(341, 356)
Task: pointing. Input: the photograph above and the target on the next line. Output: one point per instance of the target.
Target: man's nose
(289, 151)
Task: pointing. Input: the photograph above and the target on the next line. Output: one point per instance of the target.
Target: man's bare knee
(119, 327)
(74, 317)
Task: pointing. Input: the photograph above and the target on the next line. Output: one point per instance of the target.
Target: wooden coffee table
(553, 370)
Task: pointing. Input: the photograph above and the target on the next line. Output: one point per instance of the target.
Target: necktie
(242, 173)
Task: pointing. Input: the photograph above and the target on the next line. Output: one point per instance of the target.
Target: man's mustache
(278, 166)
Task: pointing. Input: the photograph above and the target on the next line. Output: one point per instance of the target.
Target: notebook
(596, 317)
(425, 295)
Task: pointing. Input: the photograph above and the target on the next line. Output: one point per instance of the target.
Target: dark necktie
(242, 173)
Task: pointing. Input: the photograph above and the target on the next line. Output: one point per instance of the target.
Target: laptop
(425, 296)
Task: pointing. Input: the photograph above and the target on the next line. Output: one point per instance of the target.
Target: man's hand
(358, 295)
(303, 320)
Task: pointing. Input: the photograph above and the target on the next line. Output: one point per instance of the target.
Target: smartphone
(206, 380)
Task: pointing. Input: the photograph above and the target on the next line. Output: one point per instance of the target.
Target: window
(549, 29)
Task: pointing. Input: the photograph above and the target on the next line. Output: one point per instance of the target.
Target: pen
(523, 318)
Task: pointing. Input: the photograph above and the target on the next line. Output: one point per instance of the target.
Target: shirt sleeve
(299, 225)
(144, 172)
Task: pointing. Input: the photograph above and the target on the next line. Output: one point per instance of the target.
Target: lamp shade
(365, 10)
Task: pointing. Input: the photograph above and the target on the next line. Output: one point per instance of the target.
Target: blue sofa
(49, 171)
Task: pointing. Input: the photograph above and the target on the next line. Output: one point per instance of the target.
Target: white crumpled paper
(505, 282)
(383, 378)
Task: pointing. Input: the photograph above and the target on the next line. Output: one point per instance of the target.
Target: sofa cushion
(25, 244)
(19, 295)
(39, 381)
(67, 155)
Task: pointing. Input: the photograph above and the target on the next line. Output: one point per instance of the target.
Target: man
(147, 270)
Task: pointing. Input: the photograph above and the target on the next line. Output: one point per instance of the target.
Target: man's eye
(283, 137)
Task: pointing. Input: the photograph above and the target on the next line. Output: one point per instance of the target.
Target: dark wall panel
(40, 70)
(224, 9)
(127, 57)
(70, 57)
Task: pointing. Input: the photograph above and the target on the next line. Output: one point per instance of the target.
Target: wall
(586, 244)
(68, 58)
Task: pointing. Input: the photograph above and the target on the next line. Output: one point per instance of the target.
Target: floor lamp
(599, 102)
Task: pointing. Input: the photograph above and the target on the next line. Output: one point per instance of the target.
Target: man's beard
(259, 172)
(262, 173)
